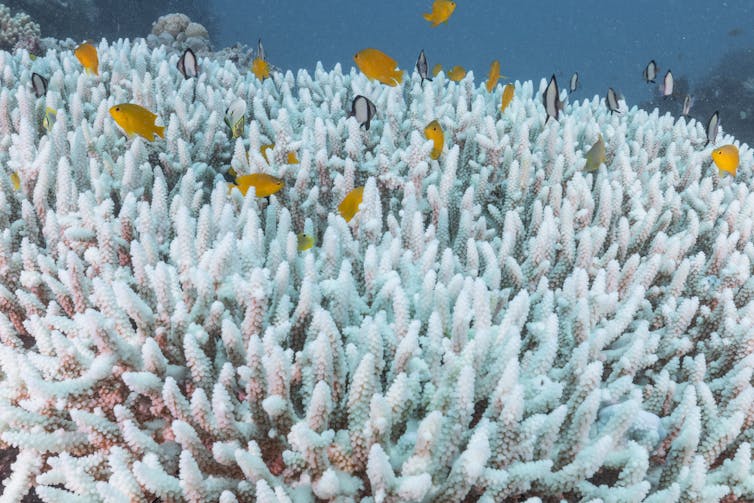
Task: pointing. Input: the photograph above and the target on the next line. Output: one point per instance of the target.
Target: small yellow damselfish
(441, 12)
(434, 132)
(350, 204)
(305, 241)
(508, 91)
(377, 65)
(86, 53)
(726, 159)
(264, 184)
(260, 68)
(135, 119)
(457, 73)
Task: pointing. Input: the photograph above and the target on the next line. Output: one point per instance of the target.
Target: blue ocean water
(607, 41)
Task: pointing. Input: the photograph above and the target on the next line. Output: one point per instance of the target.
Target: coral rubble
(492, 325)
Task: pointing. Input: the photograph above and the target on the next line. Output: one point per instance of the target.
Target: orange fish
(135, 119)
(86, 53)
(457, 73)
(15, 180)
(264, 184)
(441, 12)
(434, 132)
(493, 77)
(290, 158)
(260, 68)
(507, 96)
(350, 204)
(726, 159)
(377, 65)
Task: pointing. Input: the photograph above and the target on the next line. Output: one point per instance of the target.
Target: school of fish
(135, 119)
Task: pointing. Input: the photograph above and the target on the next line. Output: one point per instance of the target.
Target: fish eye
(117, 109)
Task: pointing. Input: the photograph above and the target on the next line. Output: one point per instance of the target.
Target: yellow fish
(441, 12)
(507, 96)
(15, 180)
(260, 68)
(349, 206)
(137, 119)
(305, 241)
(49, 119)
(377, 65)
(436, 69)
(290, 158)
(596, 155)
(236, 130)
(86, 53)
(433, 132)
(264, 148)
(726, 159)
(264, 184)
(457, 73)
(494, 76)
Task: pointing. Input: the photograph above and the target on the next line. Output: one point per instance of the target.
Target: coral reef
(178, 31)
(492, 325)
(17, 31)
(94, 19)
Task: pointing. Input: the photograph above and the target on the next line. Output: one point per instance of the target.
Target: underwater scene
(379, 252)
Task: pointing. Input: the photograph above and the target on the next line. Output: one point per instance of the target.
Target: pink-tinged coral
(17, 31)
(493, 325)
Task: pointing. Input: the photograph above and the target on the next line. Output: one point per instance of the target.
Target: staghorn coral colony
(493, 325)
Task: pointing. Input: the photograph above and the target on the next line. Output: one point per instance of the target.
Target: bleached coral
(495, 324)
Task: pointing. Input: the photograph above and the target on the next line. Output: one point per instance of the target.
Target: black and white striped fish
(422, 67)
(612, 101)
(39, 84)
(667, 85)
(574, 82)
(551, 99)
(712, 124)
(187, 64)
(260, 51)
(650, 72)
(363, 110)
(687, 102)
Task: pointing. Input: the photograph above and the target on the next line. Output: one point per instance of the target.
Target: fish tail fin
(160, 131)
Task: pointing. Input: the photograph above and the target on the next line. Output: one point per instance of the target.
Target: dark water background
(707, 44)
